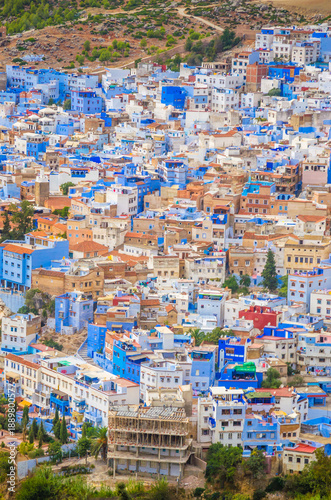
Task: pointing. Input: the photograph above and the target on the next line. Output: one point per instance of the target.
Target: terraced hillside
(94, 33)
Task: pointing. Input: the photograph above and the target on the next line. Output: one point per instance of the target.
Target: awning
(24, 403)
(13, 375)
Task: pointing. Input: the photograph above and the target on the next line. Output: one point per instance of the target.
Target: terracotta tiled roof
(21, 360)
(89, 246)
(310, 218)
(10, 247)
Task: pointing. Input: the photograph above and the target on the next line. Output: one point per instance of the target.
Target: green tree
(275, 92)
(67, 105)
(222, 464)
(80, 59)
(6, 230)
(65, 187)
(4, 466)
(84, 428)
(50, 102)
(197, 335)
(231, 283)
(256, 464)
(100, 443)
(105, 55)
(143, 43)
(57, 429)
(160, 490)
(245, 280)
(25, 448)
(297, 381)
(43, 484)
(41, 434)
(25, 421)
(40, 438)
(269, 273)
(31, 436)
(26, 414)
(55, 451)
(214, 336)
(188, 44)
(34, 427)
(84, 446)
(63, 431)
(63, 212)
(87, 45)
(272, 380)
(56, 418)
(122, 492)
(22, 218)
(283, 289)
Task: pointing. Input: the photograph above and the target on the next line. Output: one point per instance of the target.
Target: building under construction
(149, 440)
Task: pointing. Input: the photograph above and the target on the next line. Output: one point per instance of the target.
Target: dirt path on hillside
(181, 12)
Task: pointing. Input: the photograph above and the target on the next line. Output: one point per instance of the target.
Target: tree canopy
(222, 464)
(212, 337)
(272, 380)
(269, 273)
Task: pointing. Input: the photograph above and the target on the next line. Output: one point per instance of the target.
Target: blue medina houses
(203, 368)
(173, 95)
(73, 310)
(19, 258)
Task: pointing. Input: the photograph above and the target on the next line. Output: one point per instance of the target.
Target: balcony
(61, 401)
(79, 405)
(93, 418)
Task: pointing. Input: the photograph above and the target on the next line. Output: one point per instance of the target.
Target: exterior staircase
(82, 354)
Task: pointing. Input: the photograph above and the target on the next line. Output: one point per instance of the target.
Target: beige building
(241, 261)
(297, 458)
(303, 254)
(166, 267)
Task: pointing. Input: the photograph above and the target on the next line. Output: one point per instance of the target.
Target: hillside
(94, 33)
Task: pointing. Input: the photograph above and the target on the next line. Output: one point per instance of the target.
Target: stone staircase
(82, 354)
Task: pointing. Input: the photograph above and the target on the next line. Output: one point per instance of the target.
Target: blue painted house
(86, 102)
(173, 95)
(96, 337)
(18, 258)
(203, 368)
(73, 310)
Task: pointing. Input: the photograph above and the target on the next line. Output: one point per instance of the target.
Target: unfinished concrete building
(149, 440)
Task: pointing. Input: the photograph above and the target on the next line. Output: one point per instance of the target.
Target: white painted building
(18, 331)
(223, 415)
(320, 303)
(306, 53)
(125, 197)
(224, 99)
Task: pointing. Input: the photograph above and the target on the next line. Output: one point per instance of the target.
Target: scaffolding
(153, 440)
